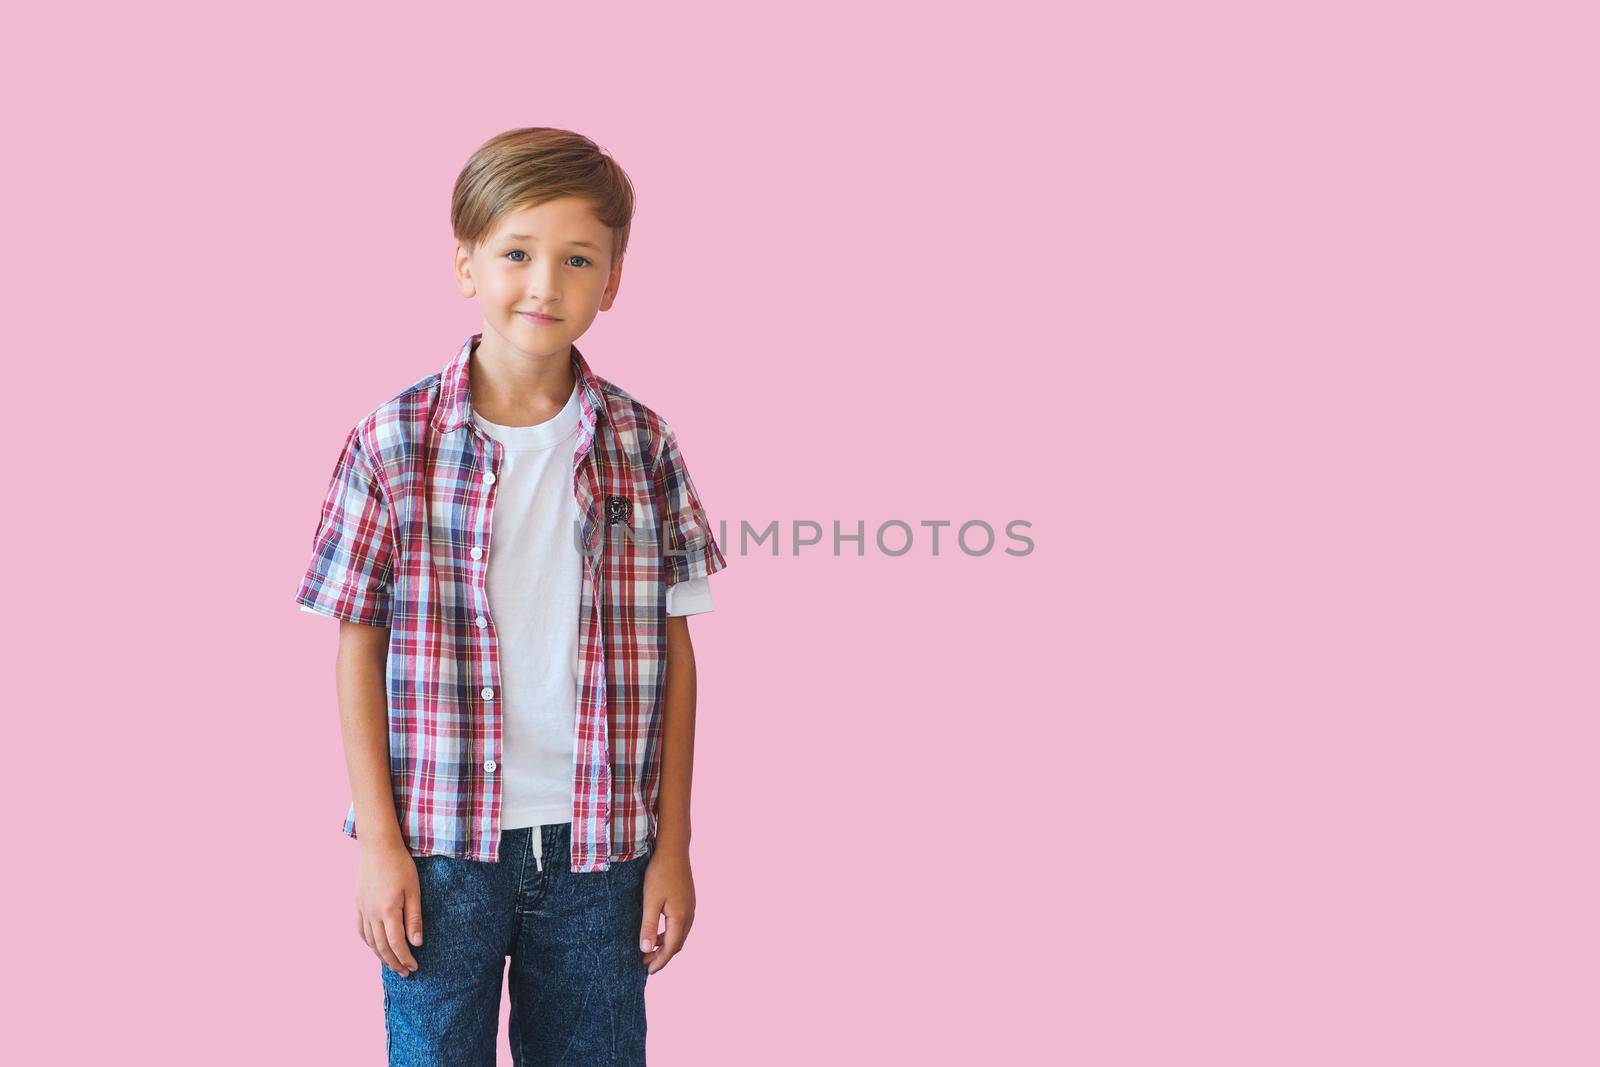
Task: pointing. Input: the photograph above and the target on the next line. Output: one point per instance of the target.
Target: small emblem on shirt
(619, 509)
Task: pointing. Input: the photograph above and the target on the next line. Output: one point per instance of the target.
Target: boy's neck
(516, 389)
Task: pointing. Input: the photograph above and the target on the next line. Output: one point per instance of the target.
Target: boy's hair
(524, 167)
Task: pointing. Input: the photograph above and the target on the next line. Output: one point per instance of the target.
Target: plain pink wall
(1278, 326)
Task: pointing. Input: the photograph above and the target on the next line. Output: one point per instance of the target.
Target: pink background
(1278, 325)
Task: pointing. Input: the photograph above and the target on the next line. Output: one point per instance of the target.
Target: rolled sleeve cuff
(367, 612)
(694, 561)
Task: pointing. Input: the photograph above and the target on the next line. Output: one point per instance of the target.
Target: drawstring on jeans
(538, 831)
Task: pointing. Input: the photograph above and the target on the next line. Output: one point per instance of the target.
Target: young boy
(512, 547)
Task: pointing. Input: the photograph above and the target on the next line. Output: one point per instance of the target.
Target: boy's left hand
(668, 888)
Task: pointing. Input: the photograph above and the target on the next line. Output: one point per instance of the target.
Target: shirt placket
(490, 734)
(592, 844)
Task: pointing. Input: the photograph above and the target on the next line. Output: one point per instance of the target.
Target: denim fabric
(577, 977)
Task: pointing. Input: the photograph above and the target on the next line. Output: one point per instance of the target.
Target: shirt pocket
(629, 518)
(630, 524)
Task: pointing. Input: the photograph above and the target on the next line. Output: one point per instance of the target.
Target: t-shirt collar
(455, 401)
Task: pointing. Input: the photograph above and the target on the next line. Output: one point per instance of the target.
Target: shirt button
(488, 694)
(482, 622)
(490, 766)
(477, 553)
(489, 478)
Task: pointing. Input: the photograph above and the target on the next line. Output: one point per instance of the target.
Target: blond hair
(525, 167)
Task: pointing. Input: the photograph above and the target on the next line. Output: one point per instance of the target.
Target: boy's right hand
(389, 905)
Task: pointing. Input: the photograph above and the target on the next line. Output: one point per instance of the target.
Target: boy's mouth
(536, 318)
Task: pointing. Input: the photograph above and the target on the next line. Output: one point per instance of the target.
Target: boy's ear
(463, 271)
(612, 284)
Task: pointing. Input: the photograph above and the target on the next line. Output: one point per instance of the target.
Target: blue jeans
(577, 977)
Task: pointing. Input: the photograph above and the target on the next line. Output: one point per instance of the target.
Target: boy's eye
(520, 252)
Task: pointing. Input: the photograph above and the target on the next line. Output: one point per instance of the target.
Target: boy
(512, 547)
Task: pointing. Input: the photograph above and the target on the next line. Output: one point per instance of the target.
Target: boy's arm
(668, 882)
(677, 740)
(364, 722)
(388, 895)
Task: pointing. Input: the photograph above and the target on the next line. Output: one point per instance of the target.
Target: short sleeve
(350, 576)
(688, 548)
(690, 598)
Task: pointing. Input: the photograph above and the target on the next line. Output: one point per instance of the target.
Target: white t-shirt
(535, 582)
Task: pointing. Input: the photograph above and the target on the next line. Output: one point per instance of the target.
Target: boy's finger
(648, 930)
(671, 941)
(380, 946)
(394, 929)
(414, 917)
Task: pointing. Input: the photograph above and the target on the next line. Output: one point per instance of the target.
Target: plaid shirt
(403, 542)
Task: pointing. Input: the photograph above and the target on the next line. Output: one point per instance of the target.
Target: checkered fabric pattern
(403, 542)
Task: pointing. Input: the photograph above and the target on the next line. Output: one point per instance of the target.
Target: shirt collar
(455, 404)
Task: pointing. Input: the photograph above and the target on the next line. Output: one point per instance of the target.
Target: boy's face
(555, 259)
